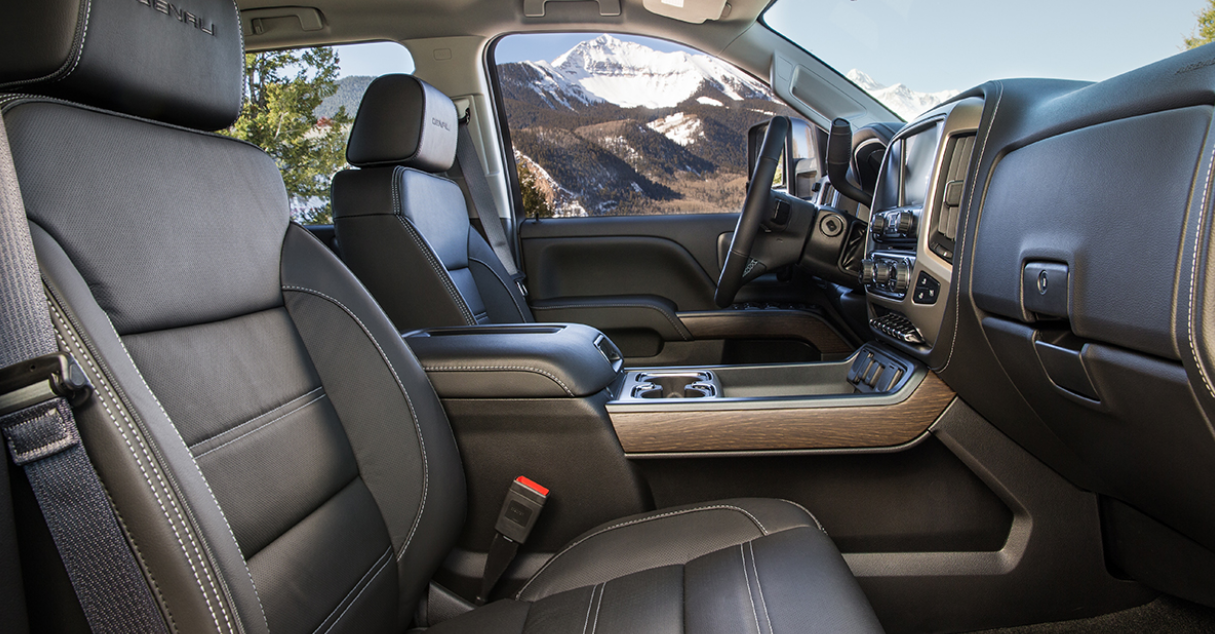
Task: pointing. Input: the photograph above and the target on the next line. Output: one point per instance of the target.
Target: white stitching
(381, 567)
(424, 247)
(679, 328)
(492, 368)
(100, 380)
(408, 401)
(207, 484)
(598, 605)
(760, 587)
(1191, 317)
(260, 427)
(807, 512)
(640, 520)
(974, 185)
(747, 582)
(88, 13)
(260, 416)
(125, 530)
(590, 603)
(518, 308)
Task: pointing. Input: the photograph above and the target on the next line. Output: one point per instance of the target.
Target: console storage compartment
(516, 361)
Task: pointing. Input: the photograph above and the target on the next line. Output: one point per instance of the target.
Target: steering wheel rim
(756, 205)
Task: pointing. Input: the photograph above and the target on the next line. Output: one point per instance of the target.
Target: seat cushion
(745, 565)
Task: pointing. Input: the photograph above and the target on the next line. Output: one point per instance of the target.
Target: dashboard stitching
(974, 184)
(1190, 318)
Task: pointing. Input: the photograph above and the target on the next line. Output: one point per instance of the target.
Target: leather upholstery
(404, 230)
(743, 565)
(272, 449)
(516, 361)
(403, 120)
(178, 62)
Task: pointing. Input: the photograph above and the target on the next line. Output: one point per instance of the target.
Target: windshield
(914, 54)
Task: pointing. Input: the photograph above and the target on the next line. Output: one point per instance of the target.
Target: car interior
(949, 374)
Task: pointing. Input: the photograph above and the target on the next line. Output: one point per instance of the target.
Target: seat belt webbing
(40, 432)
(483, 205)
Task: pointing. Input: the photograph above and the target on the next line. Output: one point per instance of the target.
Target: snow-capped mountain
(615, 127)
(631, 75)
(906, 102)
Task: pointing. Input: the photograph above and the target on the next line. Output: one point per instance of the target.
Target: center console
(913, 228)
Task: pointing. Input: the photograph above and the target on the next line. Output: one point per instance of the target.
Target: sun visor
(693, 11)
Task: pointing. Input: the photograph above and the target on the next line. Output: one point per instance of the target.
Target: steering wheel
(739, 267)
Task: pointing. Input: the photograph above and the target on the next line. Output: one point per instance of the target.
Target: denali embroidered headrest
(404, 121)
(177, 61)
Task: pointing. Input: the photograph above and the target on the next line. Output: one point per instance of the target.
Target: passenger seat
(403, 227)
(273, 452)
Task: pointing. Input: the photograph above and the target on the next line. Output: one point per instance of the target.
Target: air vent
(949, 196)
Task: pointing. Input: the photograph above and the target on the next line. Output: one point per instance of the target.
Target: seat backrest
(403, 228)
(273, 451)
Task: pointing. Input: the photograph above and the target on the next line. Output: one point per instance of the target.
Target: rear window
(299, 105)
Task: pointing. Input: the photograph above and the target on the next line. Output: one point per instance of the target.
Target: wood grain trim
(766, 324)
(785, 429)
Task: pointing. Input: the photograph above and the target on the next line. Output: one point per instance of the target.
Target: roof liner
(401, 20)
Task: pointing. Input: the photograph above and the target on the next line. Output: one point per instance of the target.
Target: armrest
(616, 312)
(516, 360)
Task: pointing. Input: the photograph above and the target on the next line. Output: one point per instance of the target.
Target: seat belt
(524, 501)
(38, 386)
(483, 206)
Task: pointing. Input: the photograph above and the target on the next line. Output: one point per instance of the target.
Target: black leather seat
(272, 450)
(403, 227)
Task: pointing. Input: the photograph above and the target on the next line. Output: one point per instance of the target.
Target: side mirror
(800, 162)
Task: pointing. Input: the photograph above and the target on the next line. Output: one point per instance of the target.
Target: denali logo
(182, 15)
(441, 124)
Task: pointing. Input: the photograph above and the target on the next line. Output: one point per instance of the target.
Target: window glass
(299, 105)
(609, 125)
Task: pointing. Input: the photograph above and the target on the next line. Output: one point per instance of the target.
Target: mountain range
(906, 102)
(612, 127)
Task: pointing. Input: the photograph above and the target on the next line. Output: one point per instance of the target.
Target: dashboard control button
(905, 223)
(882, 270)
(878, 224)
(927, 289)
(831, 225)
(901, 277)
(868, 271)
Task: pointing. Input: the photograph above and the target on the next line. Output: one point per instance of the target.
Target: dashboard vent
(949, 198)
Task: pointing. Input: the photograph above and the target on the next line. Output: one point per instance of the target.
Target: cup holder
(691, 385)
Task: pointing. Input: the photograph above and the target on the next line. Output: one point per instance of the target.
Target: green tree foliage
(1204, 32)
(282, 90)
(535, 205)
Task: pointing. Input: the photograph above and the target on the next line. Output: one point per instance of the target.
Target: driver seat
(273, 452)
(404, 227)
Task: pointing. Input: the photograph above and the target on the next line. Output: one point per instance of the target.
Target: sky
(929, 45)
(932, 45)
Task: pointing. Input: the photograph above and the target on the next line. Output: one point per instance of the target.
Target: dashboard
(1045, 246)
(908, 268)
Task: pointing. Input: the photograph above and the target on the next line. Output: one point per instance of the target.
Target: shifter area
(649, 385)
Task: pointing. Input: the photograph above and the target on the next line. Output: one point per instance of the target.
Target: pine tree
(282, 91)
(535, 205)
(1204, 32)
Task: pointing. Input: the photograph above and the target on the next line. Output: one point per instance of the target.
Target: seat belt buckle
(41, 379)
(522, 506)
(519, 282)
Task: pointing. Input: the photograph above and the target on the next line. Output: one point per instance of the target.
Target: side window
(299, 105)
(611, 125)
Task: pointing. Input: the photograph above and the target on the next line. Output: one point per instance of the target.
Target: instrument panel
(909, 252)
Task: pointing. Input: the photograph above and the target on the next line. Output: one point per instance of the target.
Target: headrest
(404, 121)
(177, 61)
